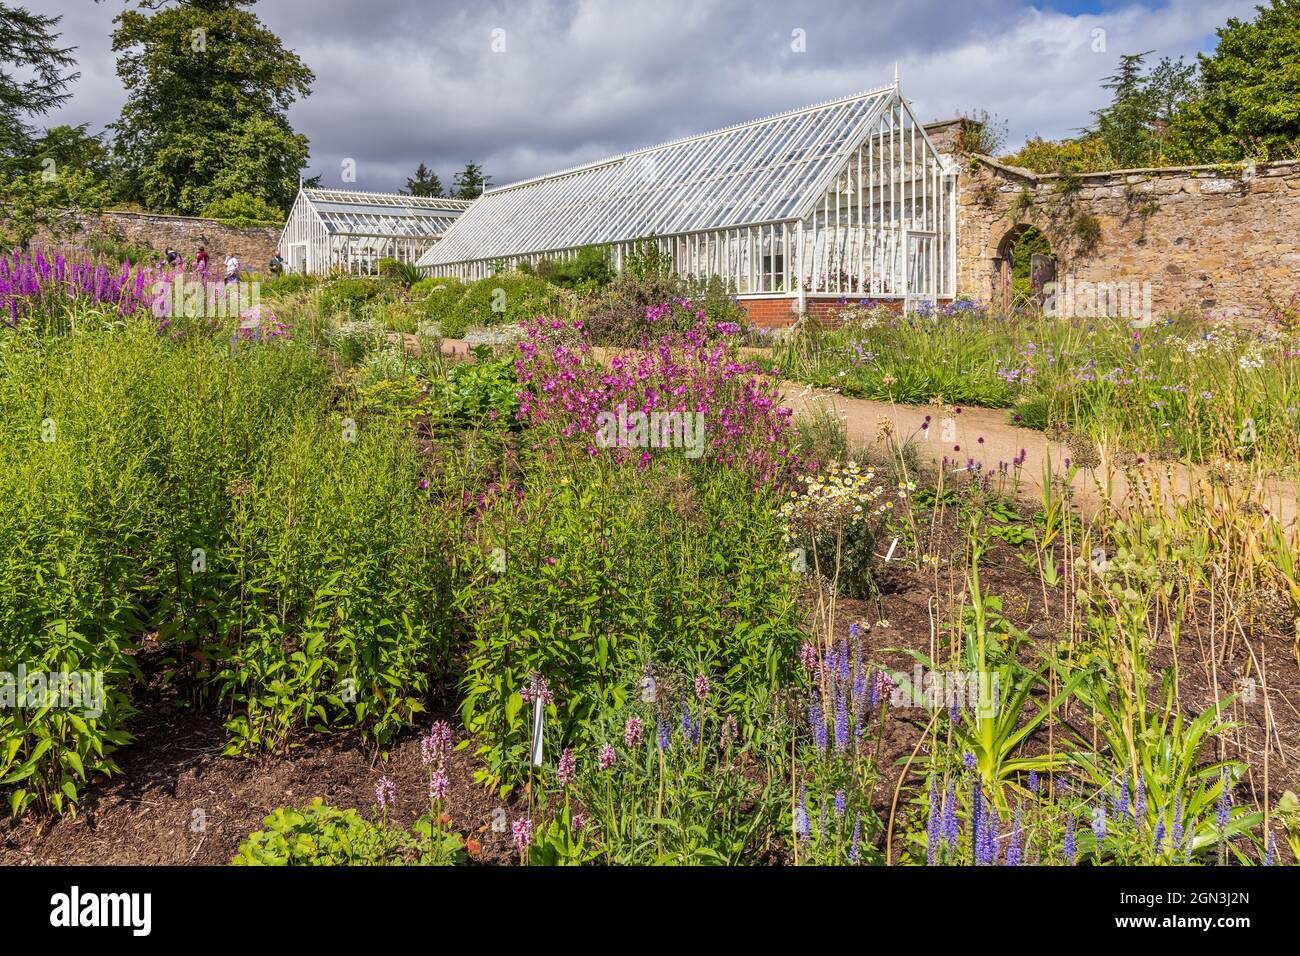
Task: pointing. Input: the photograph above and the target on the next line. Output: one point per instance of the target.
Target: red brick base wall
(780, 313)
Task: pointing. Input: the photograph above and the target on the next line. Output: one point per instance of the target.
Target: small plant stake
(538, 719)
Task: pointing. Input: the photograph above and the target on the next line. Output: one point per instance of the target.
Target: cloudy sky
(530, 86)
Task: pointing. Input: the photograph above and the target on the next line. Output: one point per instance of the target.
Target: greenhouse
(337, 230)
(847, 197)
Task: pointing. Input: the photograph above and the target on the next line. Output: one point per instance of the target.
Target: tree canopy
(208, 90)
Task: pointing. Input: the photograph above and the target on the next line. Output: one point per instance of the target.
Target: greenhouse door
(298, 257)
(921, 267)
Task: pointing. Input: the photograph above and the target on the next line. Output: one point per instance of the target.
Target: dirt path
(986, 437)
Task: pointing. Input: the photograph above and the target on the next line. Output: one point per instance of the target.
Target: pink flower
(701, 687)
(633, 732)
(438, 784)
(567, 768)
(522, 833)
(607, 757)
(808, 656)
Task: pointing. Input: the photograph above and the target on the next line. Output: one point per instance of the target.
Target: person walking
(277, 264)
(232, 268)
(201, 259)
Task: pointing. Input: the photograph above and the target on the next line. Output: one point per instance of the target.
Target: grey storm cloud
(400, 82)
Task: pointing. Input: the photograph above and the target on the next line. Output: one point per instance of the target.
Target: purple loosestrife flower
(1099, 825)
(1270, 849)
(521, 831)
(1176, 831)
(385, 792)
(607, 757)
(1033, 782)
(1121, 807)
(633, 732)
(665, 737)
(1070, 849)
(1158, 838)
(856, 843)
(840, 803)
(567, 769)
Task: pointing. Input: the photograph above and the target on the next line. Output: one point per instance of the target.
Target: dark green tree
(425, 182)
(208, 90)
(1133, 128)
(1250, 101)
(29, 45)
(470, 182)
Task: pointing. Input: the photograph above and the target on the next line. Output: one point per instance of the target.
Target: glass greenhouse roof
(766, 170)
(348, 213)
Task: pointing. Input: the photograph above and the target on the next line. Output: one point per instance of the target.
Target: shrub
(290, 283)
(589, 269)
(241, 210)
(350, 294)
(506, 298)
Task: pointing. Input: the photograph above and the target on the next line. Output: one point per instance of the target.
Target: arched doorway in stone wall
(1024, 264)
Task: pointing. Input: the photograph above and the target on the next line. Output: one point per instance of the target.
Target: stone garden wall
(253, 245)
(1217, 241)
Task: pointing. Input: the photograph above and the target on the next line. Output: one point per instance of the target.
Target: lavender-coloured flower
(1070, 849)
(1224, 810)
(1099, 824)
(1014, 848)
(665, 736)
(932, 824)
(968, 759)
(1033, 782)
(801, 826)
(856, 844)
(385, 792)
(840, 803)
(950, 827)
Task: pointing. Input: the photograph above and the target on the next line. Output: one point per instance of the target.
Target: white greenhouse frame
(342, 230)
(845, 198)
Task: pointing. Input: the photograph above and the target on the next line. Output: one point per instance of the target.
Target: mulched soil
(174, 773)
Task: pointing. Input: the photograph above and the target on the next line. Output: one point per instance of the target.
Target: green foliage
(242, 209)
(349, 295)
(321, 835)
(208, 89)
(471, 181)
(289, 284)
(589, 269)
(506, 298)
(608, 569)
(1250, 106)
(34, 202)
(425, 182)
(38, 82)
